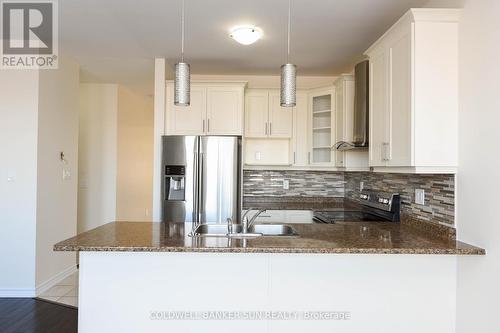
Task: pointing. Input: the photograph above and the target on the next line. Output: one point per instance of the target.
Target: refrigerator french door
(202, 179)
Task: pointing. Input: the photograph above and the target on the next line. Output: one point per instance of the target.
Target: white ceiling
(117, 40)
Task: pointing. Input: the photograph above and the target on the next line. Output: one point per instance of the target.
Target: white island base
(153, 291)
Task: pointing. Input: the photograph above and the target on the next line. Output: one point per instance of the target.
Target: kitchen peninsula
(363, 272)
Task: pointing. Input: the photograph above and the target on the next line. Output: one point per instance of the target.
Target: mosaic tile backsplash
(439, 189)
(439, 193)
(302, 183)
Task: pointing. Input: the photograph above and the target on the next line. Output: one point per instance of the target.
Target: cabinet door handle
(385, 151)
(208, 125)
(309, 158)
(203, 130)
(293, 157)
(270, 129)
(266, 128)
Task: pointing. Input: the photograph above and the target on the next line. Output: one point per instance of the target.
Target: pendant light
(288, 74)
(182, 86)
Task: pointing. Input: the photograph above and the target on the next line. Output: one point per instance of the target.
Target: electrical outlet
(419, 197)
(286, 184)
(146, 212)
(361, 186)
(257, 156)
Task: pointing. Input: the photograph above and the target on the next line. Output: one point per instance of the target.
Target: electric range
(374, 206)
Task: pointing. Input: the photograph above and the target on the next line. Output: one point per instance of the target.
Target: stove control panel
(381, 200)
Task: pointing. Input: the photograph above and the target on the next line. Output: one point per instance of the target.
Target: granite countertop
(344, 237)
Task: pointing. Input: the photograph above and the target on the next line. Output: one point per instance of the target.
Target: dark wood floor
(27, 315)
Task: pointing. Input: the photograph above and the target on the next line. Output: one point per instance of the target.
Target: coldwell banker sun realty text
(29, 34)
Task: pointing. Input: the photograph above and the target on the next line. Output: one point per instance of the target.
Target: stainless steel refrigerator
(202, 179)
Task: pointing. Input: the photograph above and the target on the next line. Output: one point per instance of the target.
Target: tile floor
(65, 292)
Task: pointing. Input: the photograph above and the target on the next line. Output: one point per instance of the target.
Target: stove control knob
(386, 201)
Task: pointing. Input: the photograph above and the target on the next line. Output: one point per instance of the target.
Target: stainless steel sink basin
(215, 229)
(221, 230)
(273, 230)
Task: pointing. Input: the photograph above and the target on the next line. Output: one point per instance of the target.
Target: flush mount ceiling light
(246, 35)
(288, 73)
(182, 86)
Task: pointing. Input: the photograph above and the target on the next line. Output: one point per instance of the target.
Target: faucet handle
(245, 224)
(229, 225)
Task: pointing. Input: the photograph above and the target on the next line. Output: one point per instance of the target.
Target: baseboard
(41, 288)
(17, 292)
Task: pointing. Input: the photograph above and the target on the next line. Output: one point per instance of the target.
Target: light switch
(361, 186)
(419, 197)
(66, 174)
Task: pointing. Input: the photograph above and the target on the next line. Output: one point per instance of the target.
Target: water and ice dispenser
(175, 181)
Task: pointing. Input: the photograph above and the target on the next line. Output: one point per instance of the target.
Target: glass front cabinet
(322, 127)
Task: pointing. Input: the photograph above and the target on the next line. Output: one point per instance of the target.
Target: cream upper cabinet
(322, 127)
(300, 144)
(256, 113)
(280, 118)
(414, 94)
(264, 117)
(215, 109)
(340, 130)
(378, 108)
(224, 111)
(186, 120)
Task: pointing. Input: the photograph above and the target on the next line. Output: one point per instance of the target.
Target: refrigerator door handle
(201, 188)
(196, 204)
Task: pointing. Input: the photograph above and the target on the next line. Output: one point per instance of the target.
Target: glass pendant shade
(182, 84)
(288, 85)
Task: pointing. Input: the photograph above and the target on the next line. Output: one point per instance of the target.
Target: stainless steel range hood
(360, 120)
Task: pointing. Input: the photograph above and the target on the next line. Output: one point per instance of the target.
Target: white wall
(478, 179)
(56, 198)
(115, 156)
(18, 178)
(38, 119)
(134, 157)
(97, 153)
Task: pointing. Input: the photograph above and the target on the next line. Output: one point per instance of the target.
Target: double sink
(236, 230)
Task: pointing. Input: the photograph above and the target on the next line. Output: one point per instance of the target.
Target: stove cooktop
(330, 217)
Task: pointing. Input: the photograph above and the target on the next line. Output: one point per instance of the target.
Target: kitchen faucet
(252, 220)
(246, 224)
(246, 213)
